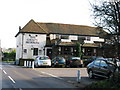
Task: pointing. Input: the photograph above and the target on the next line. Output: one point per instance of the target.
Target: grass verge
(104, 84)
(8, 61)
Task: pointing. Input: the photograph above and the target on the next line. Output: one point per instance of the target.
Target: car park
(58, 61)
(42, 61)
(100, 68)
(74, 62)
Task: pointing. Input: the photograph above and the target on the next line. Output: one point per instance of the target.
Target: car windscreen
(43, 58)
(60, 58)
(75, 58)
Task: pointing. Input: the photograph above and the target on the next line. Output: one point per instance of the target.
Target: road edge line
(52, 75)
(4, 72)
(11, 79)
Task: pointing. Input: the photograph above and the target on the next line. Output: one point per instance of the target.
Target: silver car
(42, 61)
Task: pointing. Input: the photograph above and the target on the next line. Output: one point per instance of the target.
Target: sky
(15, 13)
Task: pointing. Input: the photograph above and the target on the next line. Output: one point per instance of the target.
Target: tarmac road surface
(21, 77)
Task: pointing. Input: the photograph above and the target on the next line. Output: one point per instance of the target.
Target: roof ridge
(65, 24)
(41, 27)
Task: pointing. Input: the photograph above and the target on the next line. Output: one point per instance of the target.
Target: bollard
(33, 64)
(29, 64)
(24, 63)
(78, 76)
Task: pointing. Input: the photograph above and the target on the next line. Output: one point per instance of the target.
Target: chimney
(19, 28)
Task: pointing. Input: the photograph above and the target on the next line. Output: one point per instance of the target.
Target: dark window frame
(35, 51)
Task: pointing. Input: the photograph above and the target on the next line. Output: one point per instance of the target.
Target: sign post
(78, 76)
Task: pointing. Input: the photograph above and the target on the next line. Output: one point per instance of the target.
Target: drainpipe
(22, 44)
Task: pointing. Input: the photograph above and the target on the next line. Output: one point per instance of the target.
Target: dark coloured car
(58, 61)
(112, 60)
(92, 58)
(74, 62)
(100, 68)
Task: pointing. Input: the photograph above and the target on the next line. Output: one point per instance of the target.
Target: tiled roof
(68, 29)
(57, 28)
(90, 45)
(74, 44)
(32, 26)
(67, 44)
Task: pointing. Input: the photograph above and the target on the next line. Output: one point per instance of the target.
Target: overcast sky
(15, 13)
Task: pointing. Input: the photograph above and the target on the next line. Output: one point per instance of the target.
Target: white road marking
(52, 75)
(11, 79)
(4, 71)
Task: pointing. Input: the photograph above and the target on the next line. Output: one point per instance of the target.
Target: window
(57, 36)
(25, 50)
(88, 38)
(64, 37)
(67, 50)
(103, 63)
(97, 62)
(40, 52)
(35, 51)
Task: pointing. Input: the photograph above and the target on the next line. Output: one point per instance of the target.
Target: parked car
(112, 60)
(92, 58)
(42, 61)
(100, 68)
(74, 61)
(58, 61)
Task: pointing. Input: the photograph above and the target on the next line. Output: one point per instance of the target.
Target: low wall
(21, 61)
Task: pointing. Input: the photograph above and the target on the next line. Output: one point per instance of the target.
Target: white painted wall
(18, 47)
(92, 39)
(73, 37)
(28, 39)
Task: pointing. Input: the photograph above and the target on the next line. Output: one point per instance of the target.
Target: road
(20, 77)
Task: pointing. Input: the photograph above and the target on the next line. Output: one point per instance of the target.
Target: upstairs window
(64, 37)
(88, 38)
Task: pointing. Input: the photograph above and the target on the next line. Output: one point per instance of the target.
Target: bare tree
(107, 16)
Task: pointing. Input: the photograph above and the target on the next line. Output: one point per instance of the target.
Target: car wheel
(79, 66)
(90, 73)
(68, 66)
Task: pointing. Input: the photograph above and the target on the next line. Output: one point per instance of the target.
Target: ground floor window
(89, 51)
(35, 51)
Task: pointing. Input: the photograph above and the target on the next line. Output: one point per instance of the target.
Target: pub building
(56, 39)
